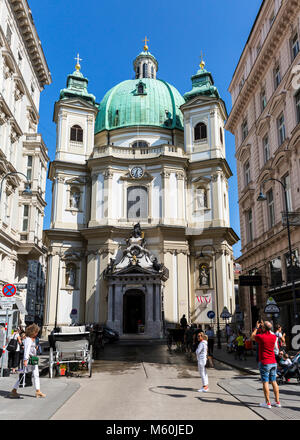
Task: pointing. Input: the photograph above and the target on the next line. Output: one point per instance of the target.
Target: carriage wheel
(51, 363)
(90, 360)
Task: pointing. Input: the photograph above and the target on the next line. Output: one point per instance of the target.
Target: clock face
(137, 172)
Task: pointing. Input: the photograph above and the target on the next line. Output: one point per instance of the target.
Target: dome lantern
(145, 65)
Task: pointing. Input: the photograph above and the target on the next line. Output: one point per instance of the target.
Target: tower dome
(144, 101)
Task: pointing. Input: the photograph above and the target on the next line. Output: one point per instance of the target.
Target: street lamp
(217, 299)
(27, 191)
(262, 198)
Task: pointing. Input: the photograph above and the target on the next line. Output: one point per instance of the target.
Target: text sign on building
(250, 280)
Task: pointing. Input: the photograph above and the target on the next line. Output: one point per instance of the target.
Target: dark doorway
(133, 310)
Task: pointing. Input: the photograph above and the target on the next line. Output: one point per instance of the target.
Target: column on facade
(180, 196)
(91, 285)
(165, 189)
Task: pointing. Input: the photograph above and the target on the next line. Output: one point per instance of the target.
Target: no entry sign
(9, 290)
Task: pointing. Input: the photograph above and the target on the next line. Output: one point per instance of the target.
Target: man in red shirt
(267, 363)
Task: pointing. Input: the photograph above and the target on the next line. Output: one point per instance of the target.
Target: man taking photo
(267, 363)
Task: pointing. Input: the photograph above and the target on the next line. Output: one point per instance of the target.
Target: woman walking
(14, 355)
(29, 351)
(201, 354)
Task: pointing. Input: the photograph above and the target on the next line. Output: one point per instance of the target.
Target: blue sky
(108, 35)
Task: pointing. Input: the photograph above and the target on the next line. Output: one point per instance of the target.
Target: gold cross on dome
(202, 64)
(145, 45)
(77, 67)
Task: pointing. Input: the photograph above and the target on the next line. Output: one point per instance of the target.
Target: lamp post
(262, 198)
(27, 190)
(216, 282)
(60, 254)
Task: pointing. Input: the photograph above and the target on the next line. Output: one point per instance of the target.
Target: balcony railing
(139, 152)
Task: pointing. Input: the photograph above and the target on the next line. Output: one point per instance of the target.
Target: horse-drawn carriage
(69, 347)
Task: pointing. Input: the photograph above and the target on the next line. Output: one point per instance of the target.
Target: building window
(25, 218)
(247, 174)
(200, 131)
(266, 148)
(145, 70)
(295, 46)
(221, 135)
(287, 191)
(249, 225)
(277, 76)
(140, 144)
(137, 202)
(281, 129)
(271, 209)
(296, 265)
(152, 72)
(263, 100)
(29, 168)
(276, 272)
(297, 101)
(76, 133)
(244, 129)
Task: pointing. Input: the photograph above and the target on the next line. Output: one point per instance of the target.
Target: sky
(108, 35)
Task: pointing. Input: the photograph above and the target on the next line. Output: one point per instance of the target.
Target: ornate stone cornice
(31, 40)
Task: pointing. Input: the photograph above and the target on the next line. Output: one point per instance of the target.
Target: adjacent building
(265, 119)
(140, 213)
(23, 154)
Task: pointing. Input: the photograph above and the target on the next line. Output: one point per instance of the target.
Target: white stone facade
(183, 210)
(23, 75)
(265, 120)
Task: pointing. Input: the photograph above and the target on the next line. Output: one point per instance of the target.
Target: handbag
(25, 379)
(12, 345)
(33, 360)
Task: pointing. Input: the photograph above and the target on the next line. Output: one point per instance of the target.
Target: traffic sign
(211, 314)
(271, 306)
(7, 303)
(9, 290)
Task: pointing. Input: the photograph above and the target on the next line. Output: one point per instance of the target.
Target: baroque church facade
(140, 231)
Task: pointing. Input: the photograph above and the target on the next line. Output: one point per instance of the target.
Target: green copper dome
(140, 102)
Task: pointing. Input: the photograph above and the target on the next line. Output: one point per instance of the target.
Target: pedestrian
(280, 337)
(201, 354)
(2, 338)
(14, 354)
(29, 352)
(211, 340)
(183, 322)
(240, 340)
(22, 337)
(267, 362)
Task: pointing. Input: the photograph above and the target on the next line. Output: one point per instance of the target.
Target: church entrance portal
(133, 310)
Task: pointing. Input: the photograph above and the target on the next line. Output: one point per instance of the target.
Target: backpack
(12, 346)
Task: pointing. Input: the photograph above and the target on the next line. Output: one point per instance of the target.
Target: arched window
(140, 88)
(140, 144)
(145, 70)
(76, 133)
(200, 131)
(137, 202)
(75, 197)
(152, 72)
(138, 72)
